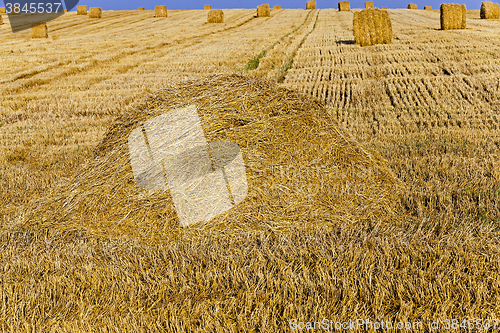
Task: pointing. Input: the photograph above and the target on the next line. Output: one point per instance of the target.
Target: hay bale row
(207, 7)
(161, 11)
(427, 7)
(344, 6)
(311, 4)
(263, 10)
(372, 26)
(215, 16)
(453, 16)
(81, 10)
(39, 30)
(277, 7)
(490, 11)
(141, 8)
(95, 12)
(412, 6)
(368, 4)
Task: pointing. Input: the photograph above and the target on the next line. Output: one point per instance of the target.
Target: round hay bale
(39, 30)
(311, 4)
(368, 4)
(95, 12)
(490, 11)
(2, 10)
(302, 169)
(427, 7)
(372, 26)
(81, 10)
(65, 11)
(383, 7)
(263, 10)
(161, 11)
(453, 16)
(277, 7)
(207, 7)
(141, 8)
(344, 6)
(412, 6)
(215, 16)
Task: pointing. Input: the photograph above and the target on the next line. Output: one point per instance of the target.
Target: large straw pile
(344, 6)
(95, 12)
(372, 26)
(207, 7)
(215, 16)
(368, 4)
(311, 4)
(490, 10)
(81, 10)
(263, 10)
(412, 6)
(39, 30)
(277, 7)
(427, 7)
(161, 11)
(453, 16)
(302, 169)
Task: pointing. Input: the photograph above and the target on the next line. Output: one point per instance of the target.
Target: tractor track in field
(289, 63)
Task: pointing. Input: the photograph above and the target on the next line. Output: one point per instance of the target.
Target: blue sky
(198, 4)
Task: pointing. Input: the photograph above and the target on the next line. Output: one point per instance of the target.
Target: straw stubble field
(428, 104)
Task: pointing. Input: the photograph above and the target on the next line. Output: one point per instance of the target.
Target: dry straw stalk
(207, 7)
(344, 6)
(81, 10)
(453, 16)
(311, 4)
(263, 10)
(368, 4)
(302, 168)
(372, 26)
(39, 31)
(161, 11)
(412, 6)
(215, 16)
(427, 7)
(490, 10)
(141, 8)
(95, 12)
(277, 7)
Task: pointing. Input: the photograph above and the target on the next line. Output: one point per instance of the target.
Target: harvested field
(215, 16)
(344, 6)
(490, 10)
(316, 237)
